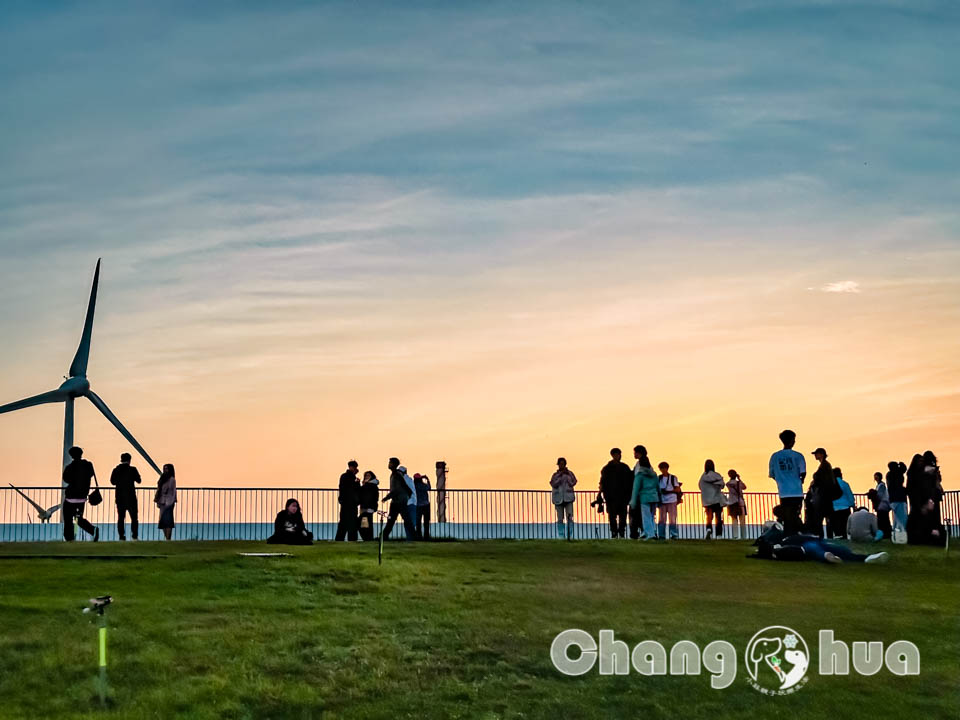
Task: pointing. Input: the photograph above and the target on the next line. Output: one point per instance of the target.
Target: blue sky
(296, 185)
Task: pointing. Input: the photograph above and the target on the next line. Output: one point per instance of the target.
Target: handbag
(95, 498)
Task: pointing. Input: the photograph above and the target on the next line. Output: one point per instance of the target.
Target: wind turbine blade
(78, 368)
(47, 397)
(102, 407)
(25, 497)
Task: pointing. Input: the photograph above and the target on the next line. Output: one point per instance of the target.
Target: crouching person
(289, 528)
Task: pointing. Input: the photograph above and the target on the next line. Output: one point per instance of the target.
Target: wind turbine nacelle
(75, 386)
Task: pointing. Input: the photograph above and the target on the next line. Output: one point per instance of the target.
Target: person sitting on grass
(862, 526)
(289, 528)
(776, 544)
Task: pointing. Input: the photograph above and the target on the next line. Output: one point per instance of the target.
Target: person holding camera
(616, 484)
(563, 496)
(670, 494)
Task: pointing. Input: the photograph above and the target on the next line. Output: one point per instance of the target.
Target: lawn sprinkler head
(98, 604)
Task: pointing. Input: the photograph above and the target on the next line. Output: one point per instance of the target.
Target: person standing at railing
(711, 494)
(669, 498)
(563, 496)
(896, 474)
(77, 476)
(411, 501)
(645, 497)
(880, 498)
(398, 496)
(125, 477)
(349, 499)
(788, 468)
(422, 485)
(616, 485)
(821, 493)
(369, 500)
(166, 498)
(736, 503)
(842, 507)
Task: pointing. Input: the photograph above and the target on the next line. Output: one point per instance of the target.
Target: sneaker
(880, 558)
(96, 534)
(122, 538)
(831, 558)
(709, 534)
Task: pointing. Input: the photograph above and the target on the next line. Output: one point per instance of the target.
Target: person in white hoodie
(711, 494)
(411, 501)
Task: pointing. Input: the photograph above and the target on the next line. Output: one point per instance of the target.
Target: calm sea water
(25, 532)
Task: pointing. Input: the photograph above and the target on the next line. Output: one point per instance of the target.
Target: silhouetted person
(879, 497)
(398, 496)
(922, 490)
(369, 501)
(77, 476)
(422, 485)
(289, 528)
(923, 525)
(126, 478)
(669, 499)
(563, 496)
(896, 477)
(932, 470)
(166, 498)
(645, 496)
(842, 507)
(820, 495)
(349, 499)
(789, 468)
(411, 508)
(616, 484)
(711, 494)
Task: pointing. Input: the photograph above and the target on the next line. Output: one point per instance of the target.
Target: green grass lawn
(453, 629)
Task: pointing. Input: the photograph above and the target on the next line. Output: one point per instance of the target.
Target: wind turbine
(77, 386)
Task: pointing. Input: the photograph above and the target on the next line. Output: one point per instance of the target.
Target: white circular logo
(777, 660)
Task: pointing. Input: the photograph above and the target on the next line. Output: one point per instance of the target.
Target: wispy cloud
(841, 286)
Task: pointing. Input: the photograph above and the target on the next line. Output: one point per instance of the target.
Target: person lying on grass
(776, 544)
(289, 528)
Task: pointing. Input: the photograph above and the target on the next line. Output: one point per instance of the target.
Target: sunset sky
(491, 234)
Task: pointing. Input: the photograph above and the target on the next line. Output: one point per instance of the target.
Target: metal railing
(248, 513)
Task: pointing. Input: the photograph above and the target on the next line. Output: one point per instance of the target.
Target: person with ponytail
(737, 505)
